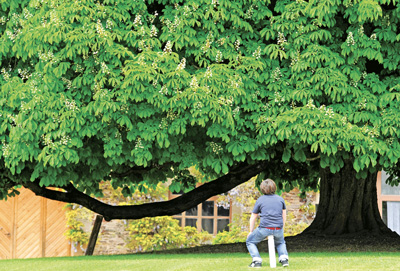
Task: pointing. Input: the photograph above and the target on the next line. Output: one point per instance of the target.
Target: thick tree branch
(241, 174)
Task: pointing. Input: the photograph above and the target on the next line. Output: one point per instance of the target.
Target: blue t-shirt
(270, 209)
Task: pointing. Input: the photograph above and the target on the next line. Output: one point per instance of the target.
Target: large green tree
(138, 91)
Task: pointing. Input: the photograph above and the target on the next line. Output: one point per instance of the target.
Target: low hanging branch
(178, 205)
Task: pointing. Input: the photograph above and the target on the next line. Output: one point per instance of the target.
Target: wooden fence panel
(28, 237)
(6, 228)
(32, 226)
(56, 245)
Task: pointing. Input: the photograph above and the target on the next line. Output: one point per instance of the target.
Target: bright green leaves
(178, 126)
(235, 148)
(323, 11)
(220, 167)
(363, 11)
(219, 164)
(359, 45)
(175, 187)
(328, 135)
(334, 163)
(274, 51)
(315, 55)
(364, 162)
(320, 35)
(369, 10)
(141, 154)
(125, 121)
(92, 88)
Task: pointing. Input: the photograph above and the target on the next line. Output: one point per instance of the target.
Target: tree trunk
(347, 205)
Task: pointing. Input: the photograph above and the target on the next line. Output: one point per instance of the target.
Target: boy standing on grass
(272, 211)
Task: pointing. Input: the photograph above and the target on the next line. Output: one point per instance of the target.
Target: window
(384, 212)
(206, 216)
(391, 215)
(388, 189)
(388, 202)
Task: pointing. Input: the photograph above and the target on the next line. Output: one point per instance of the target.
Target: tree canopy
(137, 92)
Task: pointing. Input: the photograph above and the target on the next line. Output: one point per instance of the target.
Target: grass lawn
(204, 262)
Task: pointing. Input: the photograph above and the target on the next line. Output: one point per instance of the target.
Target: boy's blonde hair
(268, 187)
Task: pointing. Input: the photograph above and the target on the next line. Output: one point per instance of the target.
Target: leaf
(286, 155)
(324, 162)
(217, 166)
(234, 147)
(225, 168)
(356, 165)
(300, 156)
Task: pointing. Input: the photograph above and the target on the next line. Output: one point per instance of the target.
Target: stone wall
(112, 238)
(296, 206)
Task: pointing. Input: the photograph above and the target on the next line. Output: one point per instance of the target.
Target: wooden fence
(31, 227)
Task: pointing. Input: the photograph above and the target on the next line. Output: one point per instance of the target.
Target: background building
(389, 202)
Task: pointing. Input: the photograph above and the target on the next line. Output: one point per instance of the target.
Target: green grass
(204, 262)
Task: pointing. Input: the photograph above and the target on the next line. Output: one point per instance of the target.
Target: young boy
(272, 211)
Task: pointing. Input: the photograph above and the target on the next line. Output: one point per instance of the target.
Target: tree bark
(347, 205)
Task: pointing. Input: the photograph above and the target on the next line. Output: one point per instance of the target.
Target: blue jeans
(258, 235)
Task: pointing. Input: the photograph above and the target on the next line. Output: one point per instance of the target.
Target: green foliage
(238, 231)
(75, 216)
(234, 235)
(160, 233)
(140, 91)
